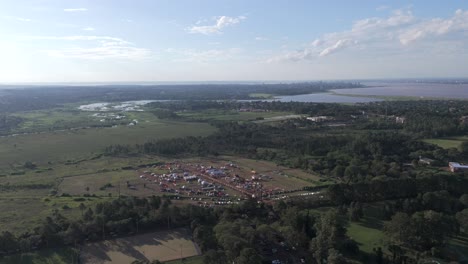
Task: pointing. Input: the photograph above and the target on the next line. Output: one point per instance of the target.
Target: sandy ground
(162, 246)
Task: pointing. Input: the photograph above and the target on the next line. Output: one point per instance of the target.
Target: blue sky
(207, 40)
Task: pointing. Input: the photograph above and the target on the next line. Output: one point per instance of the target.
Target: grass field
(230, 115)
(445, 143)
(366, 237)
(27, 207)
(282, 176)
(162, 246)
(261, 95)
(75, 144)
(45, 120)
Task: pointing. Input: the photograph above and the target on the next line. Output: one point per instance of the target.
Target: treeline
(23, 98)
(380, 190)
(107, 219)
(247, 233)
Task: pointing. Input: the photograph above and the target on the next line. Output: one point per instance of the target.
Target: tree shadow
(99, 252)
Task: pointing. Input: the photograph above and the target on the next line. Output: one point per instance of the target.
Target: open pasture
(230, 115)
(75, 144)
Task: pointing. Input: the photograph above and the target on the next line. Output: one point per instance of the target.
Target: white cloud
(436, 27)
(81, 9)
(88, 29)
(101, 52)
(21, 19)
(221, 22)
(340, 44)
(398, 33)
(192, 55)
(260, 38)
(102, 47)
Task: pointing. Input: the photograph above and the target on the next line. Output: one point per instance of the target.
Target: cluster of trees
(8, 123)
(380, 190)
(254, 234)
(248, 233)
(420, 231)
(118, 217)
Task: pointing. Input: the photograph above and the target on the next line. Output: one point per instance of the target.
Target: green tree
(249, 256)
(329, 232)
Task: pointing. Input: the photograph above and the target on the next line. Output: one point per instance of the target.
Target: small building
(425, 161)
(400, 120)
(464, 120)
(457, 167)
(319, 118)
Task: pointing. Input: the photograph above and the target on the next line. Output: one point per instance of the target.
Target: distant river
(436, 90)
(324, 98)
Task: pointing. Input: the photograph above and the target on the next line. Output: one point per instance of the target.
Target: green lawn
(367, 237)
(445, 143)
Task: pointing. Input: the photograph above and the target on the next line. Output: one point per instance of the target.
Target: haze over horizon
(176, 41)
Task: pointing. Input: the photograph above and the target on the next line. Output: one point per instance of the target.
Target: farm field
(162, 246)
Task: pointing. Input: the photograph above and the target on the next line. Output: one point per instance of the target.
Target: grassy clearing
(28, 207)
(230, 115)
(69, 145)
(162, 246)
(366, 237)
(45, 120)
(261, 95)
(24, 213)
(282, 177)
(445, 143)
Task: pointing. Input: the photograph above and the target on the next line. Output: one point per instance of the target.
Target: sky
(231, 40)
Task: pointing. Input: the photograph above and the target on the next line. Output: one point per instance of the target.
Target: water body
(412, 89)
(325, 98)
